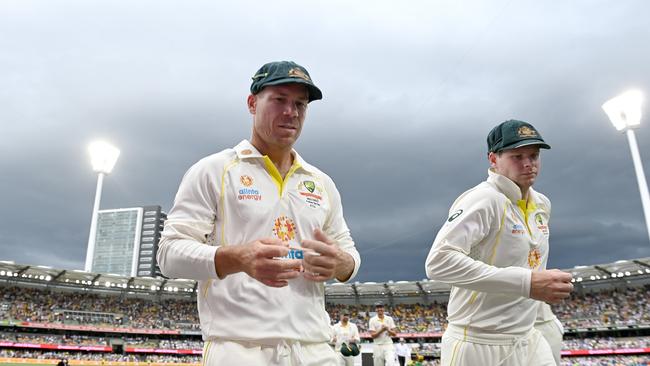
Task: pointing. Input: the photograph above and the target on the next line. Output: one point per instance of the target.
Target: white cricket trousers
(492, 349)
(384, 355)
(552, 331)
(280, 353)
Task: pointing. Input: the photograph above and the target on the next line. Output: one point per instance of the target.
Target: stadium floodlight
(625, 113)
(103, 157)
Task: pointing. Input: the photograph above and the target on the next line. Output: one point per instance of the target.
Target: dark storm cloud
(410, 94)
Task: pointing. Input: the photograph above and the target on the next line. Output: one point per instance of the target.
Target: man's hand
(392, 332)
(551, 286)
(324, 260)
(259, 260)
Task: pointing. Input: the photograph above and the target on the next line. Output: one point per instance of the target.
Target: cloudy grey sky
(411, 89)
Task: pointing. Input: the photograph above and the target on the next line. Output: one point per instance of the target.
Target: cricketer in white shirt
(348, 333)
(261, 230)
(382, 328)
(493, 251)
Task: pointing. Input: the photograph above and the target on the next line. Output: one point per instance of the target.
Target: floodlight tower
(625, 113)
(103, 157)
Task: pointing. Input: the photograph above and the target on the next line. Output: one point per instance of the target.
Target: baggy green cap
(512, 134)
(284, 72)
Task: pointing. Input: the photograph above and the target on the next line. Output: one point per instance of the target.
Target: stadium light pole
(625, 113)
(103, 157)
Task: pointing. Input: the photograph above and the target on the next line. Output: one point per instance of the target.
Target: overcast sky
(411, 89)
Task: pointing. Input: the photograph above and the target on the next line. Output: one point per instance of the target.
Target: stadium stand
(50, 314)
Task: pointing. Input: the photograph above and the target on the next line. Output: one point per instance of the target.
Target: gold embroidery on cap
(246, 152)
(525, 131)
(299, 74)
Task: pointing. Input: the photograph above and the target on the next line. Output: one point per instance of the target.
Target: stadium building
(47, 314)
(127, 240)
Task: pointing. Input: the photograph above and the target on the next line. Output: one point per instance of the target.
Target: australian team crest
(541, 224)
(525, 131)
(311, 193)
(310, 185)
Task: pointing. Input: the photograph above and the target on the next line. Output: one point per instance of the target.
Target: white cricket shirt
(235, 197)
(486, 250)
(375, 324)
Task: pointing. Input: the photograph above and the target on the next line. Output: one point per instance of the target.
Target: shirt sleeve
(474, 217)
(183, 251)
(355, 333)
(337, 229)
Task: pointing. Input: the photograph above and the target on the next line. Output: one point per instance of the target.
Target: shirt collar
(246, 150)
(505, 185)
(510, 188)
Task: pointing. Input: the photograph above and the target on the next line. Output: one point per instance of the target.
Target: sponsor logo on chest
(518, 229)
(248, 192)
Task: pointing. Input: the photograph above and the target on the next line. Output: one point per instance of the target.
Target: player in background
(346, 339)
(382, 328)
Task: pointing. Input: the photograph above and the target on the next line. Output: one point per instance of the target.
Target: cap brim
(530, 142)
(314, 92)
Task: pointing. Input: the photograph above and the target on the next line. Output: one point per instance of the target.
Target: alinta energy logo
(246, 194)
(284, 228)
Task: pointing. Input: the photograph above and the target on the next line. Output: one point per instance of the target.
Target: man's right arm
(182, 252)
(374, 332)
(472, 219)
(449, 261)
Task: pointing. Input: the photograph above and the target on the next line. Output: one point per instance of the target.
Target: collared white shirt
(486, 250)
(403, 349)
(235, 197)
(376, 323)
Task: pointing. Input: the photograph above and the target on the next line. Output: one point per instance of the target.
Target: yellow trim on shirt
(221, 208)
(497, 241)
(275, 173)
(221, 200)
(526, 207)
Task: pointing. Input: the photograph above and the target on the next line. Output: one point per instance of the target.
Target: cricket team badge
(541, 224)
(311, 193)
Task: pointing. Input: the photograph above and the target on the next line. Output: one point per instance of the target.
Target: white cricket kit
(345, 334)
(384, 351)
(235, 197)
(486, 250)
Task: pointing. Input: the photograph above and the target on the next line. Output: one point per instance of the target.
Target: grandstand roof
(583, 275)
